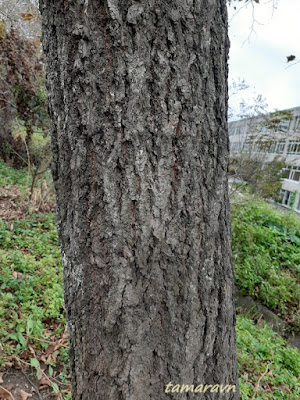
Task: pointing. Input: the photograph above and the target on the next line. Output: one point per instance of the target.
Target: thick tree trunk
(138, 99)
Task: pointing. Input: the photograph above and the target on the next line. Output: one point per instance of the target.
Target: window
(294, 147)
(266, 146)
(286, 172)
(235, 147)
(271, 147)
(296, 176)
(263, 130)
(283, 126)
(286, 197)
(231, 131)
(279, 148)
(297, 124)
(247, 147)
(292, 173)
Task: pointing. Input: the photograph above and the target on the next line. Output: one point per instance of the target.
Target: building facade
(275, 135)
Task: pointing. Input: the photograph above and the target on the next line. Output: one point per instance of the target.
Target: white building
(269, 140)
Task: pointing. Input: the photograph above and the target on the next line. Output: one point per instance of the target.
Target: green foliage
(263, 179)
(11, 176)
(266, 250)
(35, 184)
(31, 291)
(293, 199)
(277, 121)
(265, 358)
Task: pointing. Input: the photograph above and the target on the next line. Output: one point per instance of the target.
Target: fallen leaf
(43, 366)
(50, 349)
(24, 395)
(5, 393)
(45, 381)
(52, 356)
(43, 387)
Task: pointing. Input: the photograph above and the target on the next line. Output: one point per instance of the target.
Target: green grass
(266, 251)
(31, 298)
(11, 176)
(265, 358)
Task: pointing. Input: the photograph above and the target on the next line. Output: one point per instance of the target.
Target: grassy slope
(266, 249)
(32, 318)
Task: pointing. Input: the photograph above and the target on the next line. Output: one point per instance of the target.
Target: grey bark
(138, 100)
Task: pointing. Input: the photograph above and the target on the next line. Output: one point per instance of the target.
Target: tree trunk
(138, 99)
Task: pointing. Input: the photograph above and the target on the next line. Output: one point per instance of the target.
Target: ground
(20, 384)
(33, 338)
(10, 203)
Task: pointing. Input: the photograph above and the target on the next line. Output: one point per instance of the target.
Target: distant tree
(21, 100)
(242, 104)
(251, 163)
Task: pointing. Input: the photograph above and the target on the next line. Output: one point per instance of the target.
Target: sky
(261, 37)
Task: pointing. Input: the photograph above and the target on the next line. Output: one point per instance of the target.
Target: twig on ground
(32, 384)
(258, 382)
(8, 392)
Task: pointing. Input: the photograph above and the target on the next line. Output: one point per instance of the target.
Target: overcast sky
(259, 48)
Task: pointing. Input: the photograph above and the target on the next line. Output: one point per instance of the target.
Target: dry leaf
(45, 381)
(50, 349)
(8, 364)
(43, 387)
(53, 356)
(24, 395)
(5, 393)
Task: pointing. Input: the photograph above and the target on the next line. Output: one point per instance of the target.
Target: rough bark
(138, 99)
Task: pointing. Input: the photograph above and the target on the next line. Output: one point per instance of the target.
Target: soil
(22, 385)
